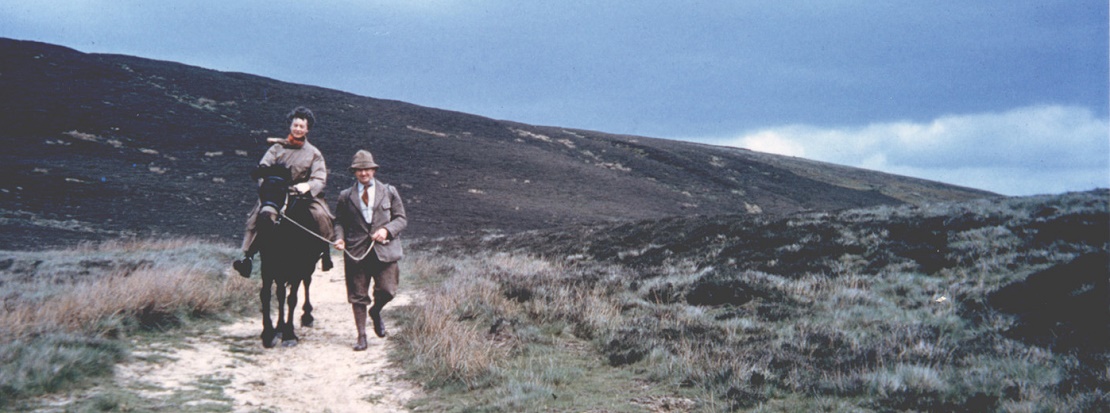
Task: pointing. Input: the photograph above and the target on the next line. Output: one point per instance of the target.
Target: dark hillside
(106, 145)
(918, 237)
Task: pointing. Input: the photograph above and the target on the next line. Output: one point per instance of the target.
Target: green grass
(48, 363)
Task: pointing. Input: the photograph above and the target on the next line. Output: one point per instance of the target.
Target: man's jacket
(388, 212)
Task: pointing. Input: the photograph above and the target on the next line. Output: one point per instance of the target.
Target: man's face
(364, 176)
(298, 128)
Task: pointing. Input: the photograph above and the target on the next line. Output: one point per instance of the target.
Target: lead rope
(321, 238)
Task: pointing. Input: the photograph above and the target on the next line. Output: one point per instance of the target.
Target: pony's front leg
(306, 316)
(288, 336)
(280, 288)
(268, 331)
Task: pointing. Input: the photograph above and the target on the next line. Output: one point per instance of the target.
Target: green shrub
(48, 363)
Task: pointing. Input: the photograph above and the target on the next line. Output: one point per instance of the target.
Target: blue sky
(1007, 96)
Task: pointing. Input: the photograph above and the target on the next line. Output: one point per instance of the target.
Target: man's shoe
(243, 266)
(379, 325)
(360, 345)
(325, 262)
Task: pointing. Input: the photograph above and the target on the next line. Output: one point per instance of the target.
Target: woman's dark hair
(301, 112)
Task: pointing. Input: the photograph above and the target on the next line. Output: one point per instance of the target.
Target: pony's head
(275, 185)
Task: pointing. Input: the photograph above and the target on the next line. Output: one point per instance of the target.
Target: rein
(321, 238)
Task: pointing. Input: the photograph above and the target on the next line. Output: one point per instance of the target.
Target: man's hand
(302, 188)
(381, 235)
(340, 245)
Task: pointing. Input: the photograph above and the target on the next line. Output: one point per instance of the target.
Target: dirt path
(321, 373)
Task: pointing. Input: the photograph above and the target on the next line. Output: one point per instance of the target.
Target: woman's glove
(302, 188)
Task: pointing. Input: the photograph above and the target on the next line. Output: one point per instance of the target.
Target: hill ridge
(96, 137)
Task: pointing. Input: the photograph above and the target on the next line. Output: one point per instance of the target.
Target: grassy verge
(66, 312)
(884, 309)
(503, 333)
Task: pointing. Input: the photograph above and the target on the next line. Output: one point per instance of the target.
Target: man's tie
(366, 195)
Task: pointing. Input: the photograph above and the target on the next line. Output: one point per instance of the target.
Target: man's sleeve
(397, 219)
(340, 217)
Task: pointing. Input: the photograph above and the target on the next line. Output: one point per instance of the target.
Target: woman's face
(299, 128)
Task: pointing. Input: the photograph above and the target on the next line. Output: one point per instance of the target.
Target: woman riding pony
(309, 176)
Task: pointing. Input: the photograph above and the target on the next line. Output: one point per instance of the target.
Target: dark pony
(289, 252)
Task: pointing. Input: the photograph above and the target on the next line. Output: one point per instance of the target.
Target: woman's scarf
(294, 143)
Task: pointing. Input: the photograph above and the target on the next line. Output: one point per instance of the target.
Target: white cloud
(1030, 150)
(773, 142)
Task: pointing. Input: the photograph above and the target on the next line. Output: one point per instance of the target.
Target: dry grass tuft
(435, 343)
(446, 349)
(64, 310)
(149, 297)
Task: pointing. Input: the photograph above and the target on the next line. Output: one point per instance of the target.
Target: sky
(1007, 96)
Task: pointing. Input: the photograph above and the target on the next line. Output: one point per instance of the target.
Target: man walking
(368, 220)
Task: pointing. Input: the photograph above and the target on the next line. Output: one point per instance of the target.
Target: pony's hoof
(269, 339)
(289, 343)
(307, 320)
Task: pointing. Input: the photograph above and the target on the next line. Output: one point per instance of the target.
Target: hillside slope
(103, 145)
